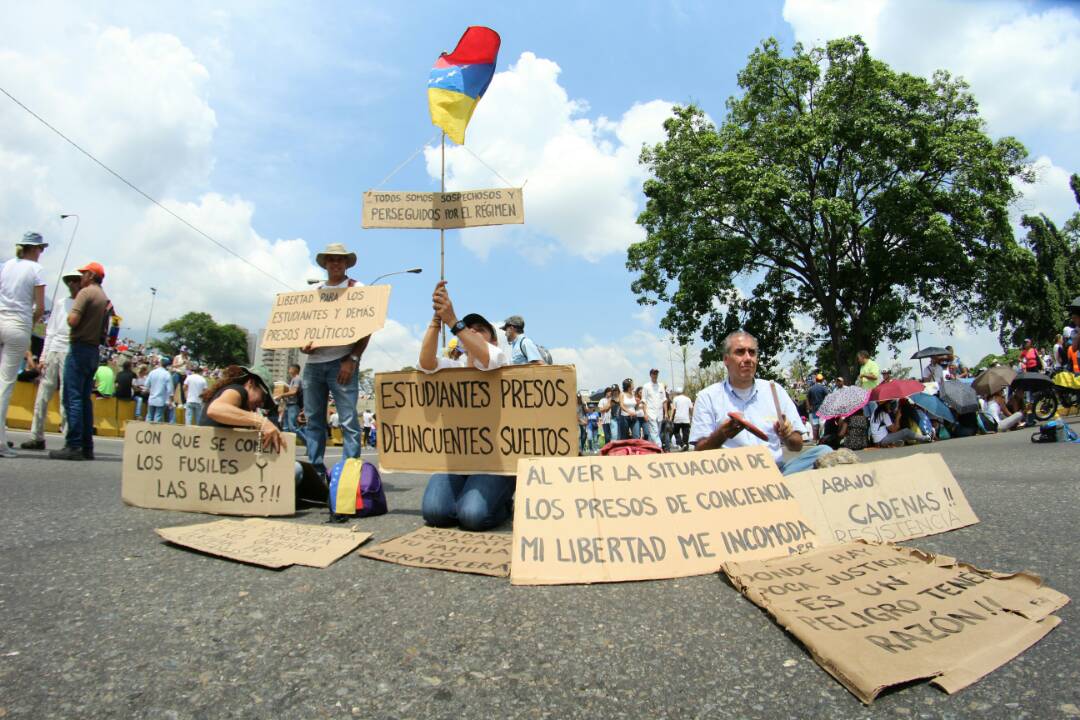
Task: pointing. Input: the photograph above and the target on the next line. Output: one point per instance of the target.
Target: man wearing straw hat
(332, 371)
(53, 355)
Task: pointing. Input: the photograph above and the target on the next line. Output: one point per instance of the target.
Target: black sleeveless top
(206, 420)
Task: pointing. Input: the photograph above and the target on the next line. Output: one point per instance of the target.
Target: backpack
(356, 489)
(858, 431)
(630, 447)
(1054, 431)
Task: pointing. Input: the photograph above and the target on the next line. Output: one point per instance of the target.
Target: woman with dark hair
(482, 500)
(241, 398)
(627, 409)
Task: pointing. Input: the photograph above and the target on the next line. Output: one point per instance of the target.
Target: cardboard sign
(443, 549)
(447, 210)
(270, 543)
(468, 421)
(641, 517)
(326, 316)
(875, 616)
(884, 501)
(207, 470)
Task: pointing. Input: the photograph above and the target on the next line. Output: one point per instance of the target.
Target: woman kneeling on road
(239, 400)
(474, 502)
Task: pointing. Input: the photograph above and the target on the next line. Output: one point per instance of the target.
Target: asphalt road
(101, 619)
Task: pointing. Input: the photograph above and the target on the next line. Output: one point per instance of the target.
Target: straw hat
(335, 249)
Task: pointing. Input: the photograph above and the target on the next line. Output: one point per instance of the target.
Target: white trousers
(14, 340)
(49, 382)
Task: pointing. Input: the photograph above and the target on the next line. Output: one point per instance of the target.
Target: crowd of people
(79, 359)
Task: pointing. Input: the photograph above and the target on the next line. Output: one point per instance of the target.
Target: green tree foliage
(1041, 280)
(835, 187)
(209, 343)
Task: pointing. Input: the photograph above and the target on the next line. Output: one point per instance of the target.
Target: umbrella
(933, 406)
(929, 352)
(993, 380)
(895, 389)
(960, 397)
(1030, 381)
(843, 402)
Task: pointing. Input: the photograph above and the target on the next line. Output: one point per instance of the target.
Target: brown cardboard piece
(885, 501)
(207, 470)
(326, 316)
(875, 616)
(443, 211)
(443, 549)
(470, 421)
(642, 517)
(270, 543)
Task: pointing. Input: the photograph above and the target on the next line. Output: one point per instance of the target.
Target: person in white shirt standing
(53, 355)
(194, 387)
(333, 371)
(22, 303)
(654, 393)
(684, 414)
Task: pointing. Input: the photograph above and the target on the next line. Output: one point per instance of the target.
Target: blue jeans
(320, 380)
(611, 431)
(292, 417)
(79, 369)
(138, 406)
(805, 459)
(155, 413)
(475, 502)
(192, 413)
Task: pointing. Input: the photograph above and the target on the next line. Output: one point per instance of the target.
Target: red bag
(630, 447)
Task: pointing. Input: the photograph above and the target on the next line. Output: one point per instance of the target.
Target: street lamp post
(918, 325)
(153, 295)
(410, 271)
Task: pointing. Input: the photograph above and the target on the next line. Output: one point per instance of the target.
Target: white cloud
(583, 189)
(600, 364)
(1020, 62)
(1050, 194)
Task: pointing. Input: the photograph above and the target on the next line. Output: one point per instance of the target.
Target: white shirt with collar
(755, 403)
(57, 332)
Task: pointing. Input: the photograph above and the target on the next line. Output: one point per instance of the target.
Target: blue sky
(264, 123)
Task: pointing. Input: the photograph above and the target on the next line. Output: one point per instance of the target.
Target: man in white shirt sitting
(744, 393)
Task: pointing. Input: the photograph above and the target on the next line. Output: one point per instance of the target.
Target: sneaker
(68, 453)
(88, 454)
(6, 452)
(33, 445)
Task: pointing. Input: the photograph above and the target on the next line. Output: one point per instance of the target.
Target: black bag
(858, 432)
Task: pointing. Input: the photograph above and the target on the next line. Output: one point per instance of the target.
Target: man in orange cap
(87, 322)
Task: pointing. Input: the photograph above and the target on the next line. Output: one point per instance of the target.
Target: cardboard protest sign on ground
(468, 421)
(446, 210)
(890, 500)
(326, 316)
(207, 470)
(442, 549)
(270, 543)
(641, 517)
(875, 616)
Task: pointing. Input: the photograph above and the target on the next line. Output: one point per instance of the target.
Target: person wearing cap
(654, 395)
(482, 500)
(53, 355)
(22, 303)
(194, 386)
(333, 371)
(179, 370)
(523, 351)
(86, 320)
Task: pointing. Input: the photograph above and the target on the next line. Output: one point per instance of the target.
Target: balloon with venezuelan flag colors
(459, 79)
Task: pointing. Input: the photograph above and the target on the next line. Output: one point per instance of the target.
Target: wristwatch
(458, 327)
(355, 359)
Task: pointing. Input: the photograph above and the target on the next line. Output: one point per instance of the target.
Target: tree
(1042, 279)
(206, 341)
(835, 187)
(702, 377)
